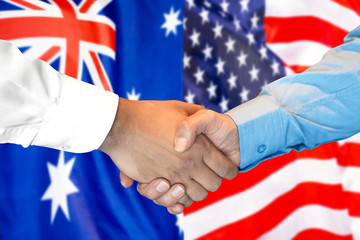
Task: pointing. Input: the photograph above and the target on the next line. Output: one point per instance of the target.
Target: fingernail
(176, 210)
(177, 192)
(162, 187)
(181, 143)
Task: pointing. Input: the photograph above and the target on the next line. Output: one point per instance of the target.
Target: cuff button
(261, 148)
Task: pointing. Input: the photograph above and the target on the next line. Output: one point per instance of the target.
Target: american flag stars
(225, 59)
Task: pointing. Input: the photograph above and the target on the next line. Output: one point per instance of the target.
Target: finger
(206, 177)
(217, 161)
(185, 201)
(126, 182)
(191, 127)
(195, 191)
(176, 209)
(155, 189)
(171, 197)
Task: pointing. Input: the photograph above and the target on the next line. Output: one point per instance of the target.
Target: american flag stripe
(247, 180)
(320, 234)
(263, 201)
(325, 11)
(292, 20)
(330, 227)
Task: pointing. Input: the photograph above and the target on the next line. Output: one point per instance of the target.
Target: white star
(184, 23)
(220, 66)
(224, 5)
(212, 90)
(204, 16)
(230, 45)
(224, 104)
(217, 30)
(262, 52)
(251, 38)
(190, 97)
(133, 95)
(275, 67)
(254, 73)
(190, 3)
(244, 94)
(186, 61)
(207, 4)
(195, 38)
(232, 81)
(199, 76)
(60, 187)
(242, 59)
(237, 24)
(207, 52)
(254, 21)
(171, 22)
(244, 5)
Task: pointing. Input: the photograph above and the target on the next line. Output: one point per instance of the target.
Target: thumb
(189, 128)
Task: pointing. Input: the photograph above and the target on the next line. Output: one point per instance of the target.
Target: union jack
(73, 34)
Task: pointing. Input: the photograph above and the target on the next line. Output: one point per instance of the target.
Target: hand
(140, 143)
(219, 128)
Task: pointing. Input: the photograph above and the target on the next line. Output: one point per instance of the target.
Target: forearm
(303, 110)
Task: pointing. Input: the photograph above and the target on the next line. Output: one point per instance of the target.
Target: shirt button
(261, 148)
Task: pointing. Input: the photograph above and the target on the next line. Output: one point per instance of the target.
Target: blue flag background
(92, 204)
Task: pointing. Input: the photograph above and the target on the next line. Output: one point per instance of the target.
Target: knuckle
(187, 163)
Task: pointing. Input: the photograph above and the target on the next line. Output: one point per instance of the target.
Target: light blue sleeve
(304, 110)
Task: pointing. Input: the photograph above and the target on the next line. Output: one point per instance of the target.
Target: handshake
(175, 150)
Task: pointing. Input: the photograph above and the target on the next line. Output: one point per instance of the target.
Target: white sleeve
(40, 106)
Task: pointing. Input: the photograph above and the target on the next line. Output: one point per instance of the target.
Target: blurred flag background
(218, 53)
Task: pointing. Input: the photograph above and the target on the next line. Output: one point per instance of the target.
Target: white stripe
(355, 227)
(353, 139)
(246, 203)
(308, 217)
(303, 53)
(326, 10)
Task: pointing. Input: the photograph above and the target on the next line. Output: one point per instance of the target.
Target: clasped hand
(175, 150)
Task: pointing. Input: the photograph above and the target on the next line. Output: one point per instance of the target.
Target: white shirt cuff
(81, 120)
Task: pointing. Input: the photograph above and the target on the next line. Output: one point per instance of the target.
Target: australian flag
(133, 48)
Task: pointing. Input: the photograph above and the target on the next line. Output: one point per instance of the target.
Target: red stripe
(86, 6)
(27, 27)
(50, 53)
(100, 71)
(320, 234)
(298, 68)
(350, 155)
(248, 179)
(283, 30)
(267, 218)
(353, 203)
(27, 5)
(352, 4)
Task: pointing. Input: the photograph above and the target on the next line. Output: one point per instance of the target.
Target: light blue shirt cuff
(259, 122)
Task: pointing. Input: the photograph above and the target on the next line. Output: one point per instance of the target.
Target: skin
(219, 128)
(140, 143)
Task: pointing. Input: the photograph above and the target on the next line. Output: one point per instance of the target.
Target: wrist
(112, 137)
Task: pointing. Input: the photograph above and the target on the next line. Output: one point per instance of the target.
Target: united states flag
(232, 49)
